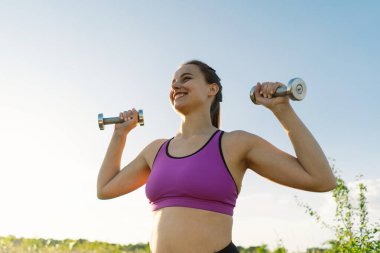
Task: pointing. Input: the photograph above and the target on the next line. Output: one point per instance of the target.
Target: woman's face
(189, 88)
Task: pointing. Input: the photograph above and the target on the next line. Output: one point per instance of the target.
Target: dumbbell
(115, 120)
(296, 90)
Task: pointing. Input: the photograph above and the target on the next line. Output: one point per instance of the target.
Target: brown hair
(211, 77)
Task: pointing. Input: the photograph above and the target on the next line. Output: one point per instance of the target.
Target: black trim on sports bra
(158, 153)
(224, 161)
(180, 157)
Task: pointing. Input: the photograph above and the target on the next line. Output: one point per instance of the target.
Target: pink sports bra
(201, 180)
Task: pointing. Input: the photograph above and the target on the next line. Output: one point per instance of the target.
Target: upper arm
(273, 163)
(133, 175)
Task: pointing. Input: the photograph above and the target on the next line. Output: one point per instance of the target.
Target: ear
(213, 89)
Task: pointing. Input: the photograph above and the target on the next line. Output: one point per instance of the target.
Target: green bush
(353, 232)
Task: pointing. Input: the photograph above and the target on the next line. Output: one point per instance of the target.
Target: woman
(193, 179)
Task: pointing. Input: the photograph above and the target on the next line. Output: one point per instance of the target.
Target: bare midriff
(189, 230)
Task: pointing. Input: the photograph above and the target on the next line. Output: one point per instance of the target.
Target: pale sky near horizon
(63, 62)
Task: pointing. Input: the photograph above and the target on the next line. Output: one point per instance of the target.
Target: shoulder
(236, 147)
(154, 146)
(150, 151)
(239, 137)
(240, 141)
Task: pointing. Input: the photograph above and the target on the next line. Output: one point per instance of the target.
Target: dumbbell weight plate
(297, 89)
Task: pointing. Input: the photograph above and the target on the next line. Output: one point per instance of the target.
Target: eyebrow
(182, 76)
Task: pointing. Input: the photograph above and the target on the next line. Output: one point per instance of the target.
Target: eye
(186, 78)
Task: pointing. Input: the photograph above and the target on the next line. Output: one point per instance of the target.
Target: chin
(181, 109)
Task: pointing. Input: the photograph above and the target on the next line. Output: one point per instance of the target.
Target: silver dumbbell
(116, 120)
(296, 90)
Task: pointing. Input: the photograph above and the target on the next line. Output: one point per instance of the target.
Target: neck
(196, 124)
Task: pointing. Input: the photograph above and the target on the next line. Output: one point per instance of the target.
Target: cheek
(171, 96)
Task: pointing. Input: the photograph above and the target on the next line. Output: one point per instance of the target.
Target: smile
(179, 95)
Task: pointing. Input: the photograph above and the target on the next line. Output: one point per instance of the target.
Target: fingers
(258, 93)
(268, 89)
(129, 115)
(265, 94)
(130, 119)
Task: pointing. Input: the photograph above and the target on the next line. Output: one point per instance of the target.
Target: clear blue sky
(63, 62)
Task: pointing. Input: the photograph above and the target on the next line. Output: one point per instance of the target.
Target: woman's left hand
(264, 95)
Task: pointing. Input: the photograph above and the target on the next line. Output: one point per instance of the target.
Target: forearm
(112, 160)
(308, 151)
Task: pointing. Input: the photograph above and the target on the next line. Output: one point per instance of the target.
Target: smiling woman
(194, 179)
(210, 77)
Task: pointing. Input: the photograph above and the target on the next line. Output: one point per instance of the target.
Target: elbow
(327, 186)
(102, 195)
(102, 192)
(99, 192)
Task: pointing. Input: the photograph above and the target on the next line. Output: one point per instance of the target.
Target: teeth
(179, 95)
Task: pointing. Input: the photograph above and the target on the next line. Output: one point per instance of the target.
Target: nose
(176, 85)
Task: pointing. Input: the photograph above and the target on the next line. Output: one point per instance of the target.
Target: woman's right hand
(130, 118)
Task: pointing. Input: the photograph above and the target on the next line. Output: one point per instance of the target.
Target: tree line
(354, 233)
(12, 244)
